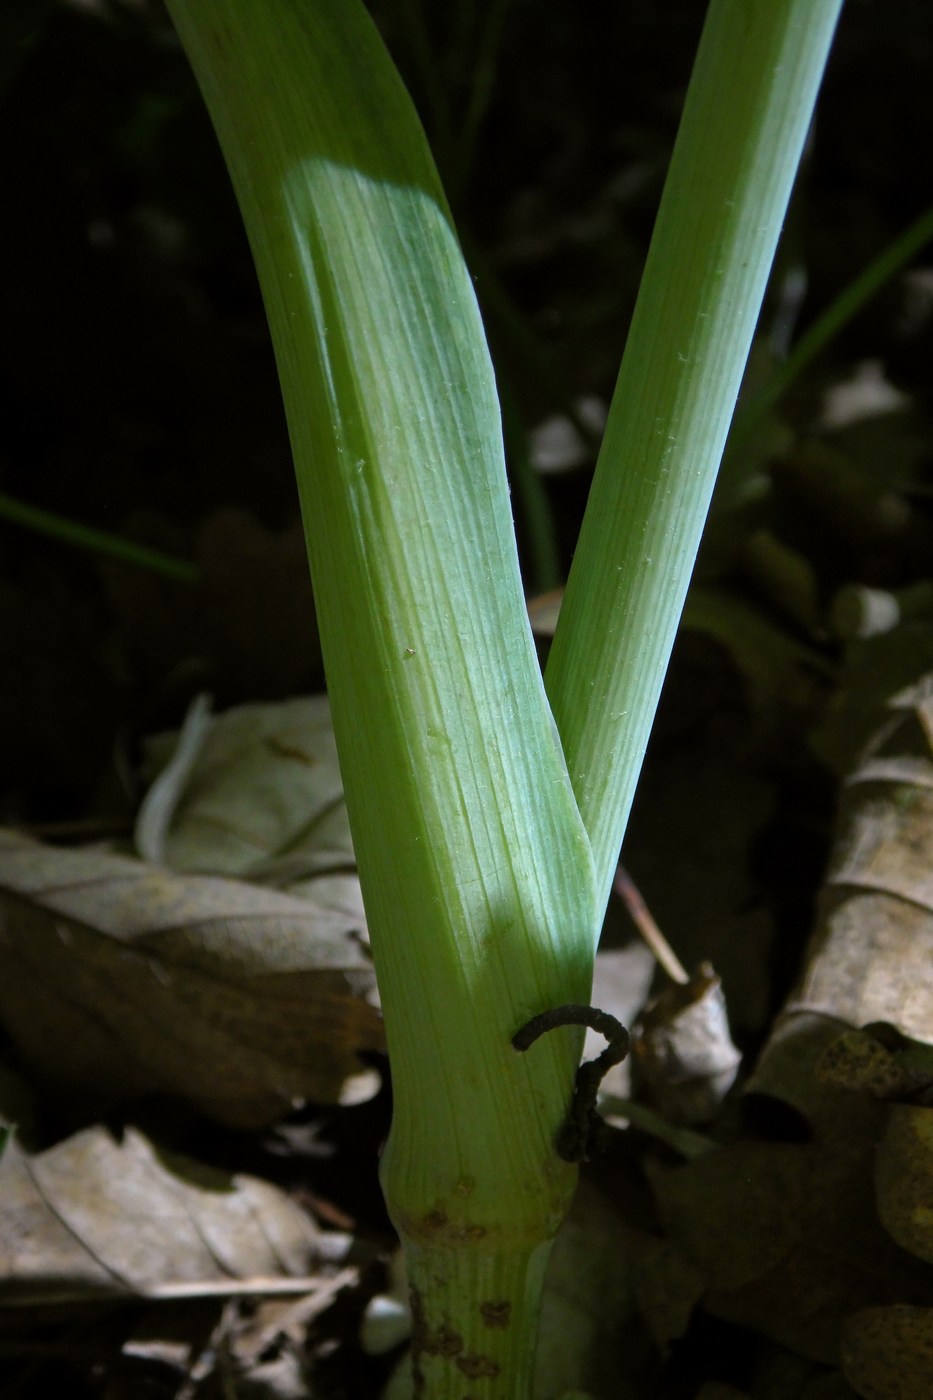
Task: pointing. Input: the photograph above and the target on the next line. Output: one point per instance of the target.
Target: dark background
(137, 383)
(139, 393)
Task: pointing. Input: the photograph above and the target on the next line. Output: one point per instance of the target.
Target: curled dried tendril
(584, 1132)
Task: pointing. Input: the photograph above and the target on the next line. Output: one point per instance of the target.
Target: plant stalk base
(474, 1320)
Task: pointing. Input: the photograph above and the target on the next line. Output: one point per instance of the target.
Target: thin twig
(628, 892)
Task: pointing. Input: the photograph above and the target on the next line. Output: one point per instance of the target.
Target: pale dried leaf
(874, 667)
(871, 958)
(283, 1377)
(787, 1234)
(787, 1070)
(262, 798)
(93, 1215)
(118, 978)
(683, 1051)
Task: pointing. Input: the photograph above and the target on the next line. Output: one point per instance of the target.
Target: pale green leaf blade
(746, 116)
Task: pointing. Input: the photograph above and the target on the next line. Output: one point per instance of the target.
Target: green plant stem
(746, 115)
(474, 863)
(486, 1352)
(44, 522)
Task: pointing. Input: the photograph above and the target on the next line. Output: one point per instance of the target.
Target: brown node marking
(436, 1219)
(426, 1341)
(446, 1341)
(496, 1314)
(476, 1366)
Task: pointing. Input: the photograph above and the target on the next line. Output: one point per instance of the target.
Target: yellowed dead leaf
(887, 1353)
(898, 1071)
(786, 1237)
(904, 1179)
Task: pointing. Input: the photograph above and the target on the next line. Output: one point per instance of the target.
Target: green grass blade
(56, 527)
(745, 119)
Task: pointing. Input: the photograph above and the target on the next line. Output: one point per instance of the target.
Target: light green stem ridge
(475, 865)
(480, 1351)
(746, 115)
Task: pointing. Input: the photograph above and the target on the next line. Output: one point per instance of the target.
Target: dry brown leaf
(787, 1239)
(792, 1070)
(870, 964)
(871, 958)
(875, 668)
(247, 627)
(118, 978)
(96, 1216)
(588, 1301)
(667, 1287)
(904, 1179)
(787, 1234)
(779, 1374)
(887, 1353)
